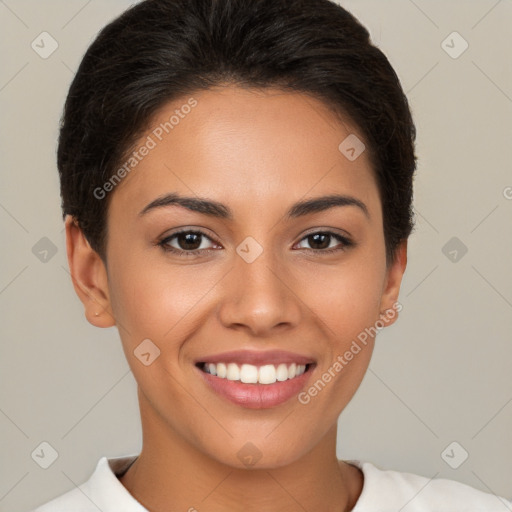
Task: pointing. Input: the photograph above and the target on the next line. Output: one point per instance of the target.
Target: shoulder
(73, 500)
(102, 491)
(387, 490)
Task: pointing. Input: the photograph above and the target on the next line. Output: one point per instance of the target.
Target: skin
(258, 152)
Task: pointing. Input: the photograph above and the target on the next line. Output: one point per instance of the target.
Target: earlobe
(390, 306)
(89, 276)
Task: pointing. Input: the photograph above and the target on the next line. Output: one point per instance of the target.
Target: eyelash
(345, 243)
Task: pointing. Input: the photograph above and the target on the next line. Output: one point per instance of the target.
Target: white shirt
(383, 491)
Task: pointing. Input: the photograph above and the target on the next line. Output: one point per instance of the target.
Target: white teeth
(267, 374)
(250, 374)
(233, 372)
(282, 372)
(221, 370)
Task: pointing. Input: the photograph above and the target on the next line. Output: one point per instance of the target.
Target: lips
(292, 371)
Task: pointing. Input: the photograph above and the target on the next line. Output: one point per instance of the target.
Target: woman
(236, 178)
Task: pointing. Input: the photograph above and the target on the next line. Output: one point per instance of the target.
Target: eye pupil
(318, 238)
(189, 240)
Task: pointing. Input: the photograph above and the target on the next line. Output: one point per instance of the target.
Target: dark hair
(161, 50)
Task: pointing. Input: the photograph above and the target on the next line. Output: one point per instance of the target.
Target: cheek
(346, 301)
(347, 298)
(157, 300)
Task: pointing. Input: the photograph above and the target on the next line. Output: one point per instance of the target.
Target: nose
(260, 297)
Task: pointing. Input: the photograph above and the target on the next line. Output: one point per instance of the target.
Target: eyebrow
(219, 210)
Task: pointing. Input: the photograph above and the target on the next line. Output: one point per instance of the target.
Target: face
(249, 283)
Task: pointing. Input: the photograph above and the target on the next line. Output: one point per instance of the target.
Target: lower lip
(257, 396)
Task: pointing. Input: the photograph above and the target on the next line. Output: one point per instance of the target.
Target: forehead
(246, 147)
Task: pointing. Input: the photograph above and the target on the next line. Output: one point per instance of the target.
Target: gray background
(442, 374)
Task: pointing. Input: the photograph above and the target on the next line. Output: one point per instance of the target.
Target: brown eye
(186, 242)
(322, 242)
(319, 240)
(189, 241)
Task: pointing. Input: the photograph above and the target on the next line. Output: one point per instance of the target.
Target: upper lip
(257, 357)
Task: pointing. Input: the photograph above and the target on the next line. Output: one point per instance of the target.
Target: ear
(89, 276)
(389, 306)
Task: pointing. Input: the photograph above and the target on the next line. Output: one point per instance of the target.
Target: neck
(171, 474)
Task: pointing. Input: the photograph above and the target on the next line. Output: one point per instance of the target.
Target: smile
(256, 379)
